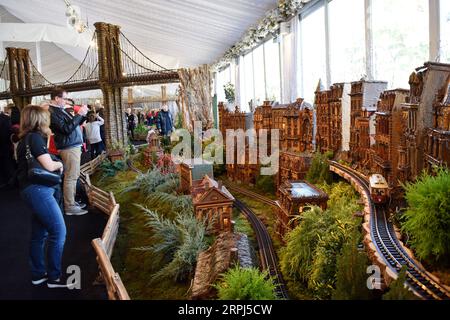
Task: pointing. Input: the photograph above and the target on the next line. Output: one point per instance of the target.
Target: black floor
(15, 227)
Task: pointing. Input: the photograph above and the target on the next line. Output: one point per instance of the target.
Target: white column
(369, 39)
(286, 66)
(327, 46)
(215, 83)
(435, 30)
(38, 57)
(2, 50)
(240, 82)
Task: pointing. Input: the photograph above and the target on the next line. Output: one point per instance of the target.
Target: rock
(228, 249)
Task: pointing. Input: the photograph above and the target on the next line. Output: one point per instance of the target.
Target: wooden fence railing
(105, 202)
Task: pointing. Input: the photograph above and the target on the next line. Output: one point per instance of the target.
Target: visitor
(48, 230)
(164, 121)
(68, 140)
(151, 118)
(93, 134)
(6, 148)
(132, 122)
(101, 113)
(140, 117)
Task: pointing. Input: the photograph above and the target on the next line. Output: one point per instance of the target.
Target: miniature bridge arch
(111, 62)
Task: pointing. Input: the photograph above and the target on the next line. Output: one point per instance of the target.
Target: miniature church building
(294, 198)
(213, 203)
(192, 170)
(154, 147)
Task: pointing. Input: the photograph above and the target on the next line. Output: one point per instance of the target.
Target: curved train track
(388, 246)
(234, 188)
(268, 256)
(267, 253)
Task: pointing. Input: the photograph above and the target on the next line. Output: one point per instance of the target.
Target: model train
(379, 189)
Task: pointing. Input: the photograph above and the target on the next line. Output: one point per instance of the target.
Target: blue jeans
(48, 226)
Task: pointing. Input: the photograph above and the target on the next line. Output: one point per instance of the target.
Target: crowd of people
(51, 136)
(40, 153)
(162, 120)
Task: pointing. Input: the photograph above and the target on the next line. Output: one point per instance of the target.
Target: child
(93, 134)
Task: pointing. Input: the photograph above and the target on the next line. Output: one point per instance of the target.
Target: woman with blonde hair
(48, 226)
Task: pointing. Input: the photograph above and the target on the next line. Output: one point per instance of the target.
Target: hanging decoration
(74, 20)
(270, 24)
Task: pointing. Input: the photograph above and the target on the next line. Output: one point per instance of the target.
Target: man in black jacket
(68, 140)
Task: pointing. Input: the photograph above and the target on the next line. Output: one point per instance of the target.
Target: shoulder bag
(36, 173)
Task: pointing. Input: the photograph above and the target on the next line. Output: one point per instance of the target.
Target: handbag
(36, 173)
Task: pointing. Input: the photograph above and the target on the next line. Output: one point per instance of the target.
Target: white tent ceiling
(172, 32)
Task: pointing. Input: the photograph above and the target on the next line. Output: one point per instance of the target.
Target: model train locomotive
(379, 189)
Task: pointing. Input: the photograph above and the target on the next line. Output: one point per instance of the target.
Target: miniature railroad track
(269, 260)
(234, 188)
(132, 167)
(387, 244)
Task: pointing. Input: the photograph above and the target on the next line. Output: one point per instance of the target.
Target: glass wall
(223, 77)
(445, 31)
(400, 39)
(259, 74)
(347, 40)
(400, 32)
(273, 73)
(249, 88)
(313, 64)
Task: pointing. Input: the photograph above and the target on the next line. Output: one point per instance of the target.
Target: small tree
(397, 289)
(427, 219)
(319, 172)
(265, 184)
(351, 276)
(229, 92)
(179, 241)
(246, 284)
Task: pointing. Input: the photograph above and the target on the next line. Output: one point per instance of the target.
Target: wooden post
(163, 94)
(110, 71)
(19, 75)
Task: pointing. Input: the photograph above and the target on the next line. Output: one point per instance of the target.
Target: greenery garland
(270, 24)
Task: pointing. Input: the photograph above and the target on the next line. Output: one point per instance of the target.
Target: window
(272, 64)
(445, 31)
(347, 40)
(400, 36)
(249, 92)
(223, 77)
(258, 69)
(312, 37)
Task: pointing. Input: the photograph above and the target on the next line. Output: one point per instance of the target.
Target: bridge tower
(19, 75)
(110, 74)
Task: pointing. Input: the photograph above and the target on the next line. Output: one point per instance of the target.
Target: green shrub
(147, 183)
(351, 276)
(246, 284)
(110, 169)
(265, 184)
(309, 258)
(141, 131)
(179, 241)
(397, 290)
(319, 172)
(427, 220)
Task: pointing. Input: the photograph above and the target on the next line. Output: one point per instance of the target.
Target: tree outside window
(401, 39)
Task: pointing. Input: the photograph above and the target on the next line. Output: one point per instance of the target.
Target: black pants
(7, 167)
(96, 149)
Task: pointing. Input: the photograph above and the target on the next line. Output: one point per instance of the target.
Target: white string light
(74, 18)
